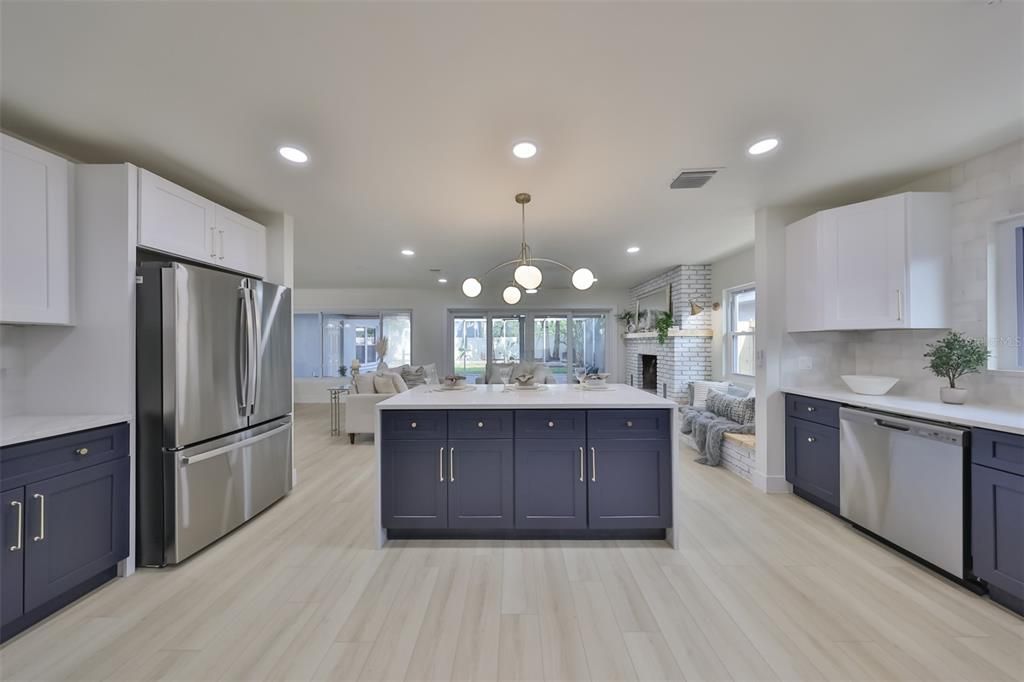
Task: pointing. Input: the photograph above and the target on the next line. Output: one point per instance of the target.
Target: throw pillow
(414, 376)
(739, 410)
(400, 385)
(499, 373)
(700, 391)
(363, 383)
(383, 383)
(431, 373)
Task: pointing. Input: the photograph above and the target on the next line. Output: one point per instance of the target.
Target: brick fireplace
(686, 354)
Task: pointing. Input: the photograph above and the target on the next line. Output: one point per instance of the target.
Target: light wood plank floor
(764, 588)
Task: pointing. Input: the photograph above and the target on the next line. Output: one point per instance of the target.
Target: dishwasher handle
(913, 427)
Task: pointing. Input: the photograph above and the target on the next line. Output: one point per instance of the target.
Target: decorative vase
(953, 396)
(630, 327)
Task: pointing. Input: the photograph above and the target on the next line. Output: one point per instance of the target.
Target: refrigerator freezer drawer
(219, 486)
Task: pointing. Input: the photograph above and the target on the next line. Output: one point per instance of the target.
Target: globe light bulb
(528, 276)
(511, 294)
(583, 279)
(471, 287)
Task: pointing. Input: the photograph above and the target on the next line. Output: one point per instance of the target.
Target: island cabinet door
(414, 488)
(630, 483)
(480, 483)
(997, 536)
(551, 483)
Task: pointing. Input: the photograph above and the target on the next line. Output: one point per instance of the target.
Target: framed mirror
(651, 305)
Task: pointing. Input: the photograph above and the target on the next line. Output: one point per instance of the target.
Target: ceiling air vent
(694, 178)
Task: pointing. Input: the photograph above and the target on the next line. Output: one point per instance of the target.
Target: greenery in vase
(664, 323)
(955, 355)
(627, 316)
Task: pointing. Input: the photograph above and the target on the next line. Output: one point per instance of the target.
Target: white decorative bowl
(866, 384)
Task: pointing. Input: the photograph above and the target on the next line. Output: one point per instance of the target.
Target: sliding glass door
(558, 339)
(469, 343)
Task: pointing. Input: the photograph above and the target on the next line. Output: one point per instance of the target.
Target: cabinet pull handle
(82, 451)
(42, 518)
(440, 464)
(479, 425)
(451, 465)
(629, 424)
(899, 305)
(21, 523)
(811, 408)
(222, 244)
(582, 464)
(213, 242)
(412, 425)
(811, 439)
(551, 425)
(593, 465)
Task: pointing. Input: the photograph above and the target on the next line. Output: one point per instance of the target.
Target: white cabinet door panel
(865, 256)
(35, 236)
(803, 274)
(241, 243)
(175, 220)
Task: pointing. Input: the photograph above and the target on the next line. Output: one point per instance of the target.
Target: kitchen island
(494, 462)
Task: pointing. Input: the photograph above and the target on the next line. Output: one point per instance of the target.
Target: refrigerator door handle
(244, 344)
(257, 335)
(210, 454)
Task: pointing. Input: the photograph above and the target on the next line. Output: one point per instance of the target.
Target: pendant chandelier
(526, 274)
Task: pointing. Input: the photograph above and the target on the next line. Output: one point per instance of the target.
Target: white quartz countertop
(1010, 420)
(561, 396)
(20, 429)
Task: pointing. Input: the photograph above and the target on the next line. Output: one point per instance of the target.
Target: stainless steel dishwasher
(903, 480)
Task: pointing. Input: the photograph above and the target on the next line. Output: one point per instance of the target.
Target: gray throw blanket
(709, 431)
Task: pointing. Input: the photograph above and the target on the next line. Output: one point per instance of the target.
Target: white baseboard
(770, 484)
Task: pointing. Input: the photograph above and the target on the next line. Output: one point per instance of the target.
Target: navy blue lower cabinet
(63, 521)
(12, 563)
(480, 484)
(551, 483)
(630, 483)
(997, 533)
(414, 483)
(76, 525)
(812, 462)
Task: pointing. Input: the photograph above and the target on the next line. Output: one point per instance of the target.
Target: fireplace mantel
(671, 333)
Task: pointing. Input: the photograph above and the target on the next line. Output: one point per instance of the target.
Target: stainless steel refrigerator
(214, 355)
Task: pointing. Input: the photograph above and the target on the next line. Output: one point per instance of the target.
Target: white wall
(430, 318)
(726, 273)
(12, 370)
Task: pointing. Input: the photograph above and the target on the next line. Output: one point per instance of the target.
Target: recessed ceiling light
(408, 252)
(524, 150)
(293, 154)
(531, 291)
(442, 280)
(763, 146)
(633, 249)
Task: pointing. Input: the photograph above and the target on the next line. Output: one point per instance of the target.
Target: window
(327, 343)
(740, 310)
(559, 339)
(1006, 295)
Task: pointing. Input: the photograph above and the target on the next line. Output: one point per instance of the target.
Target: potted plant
(664, 323)
(953, 356)
(629, 318)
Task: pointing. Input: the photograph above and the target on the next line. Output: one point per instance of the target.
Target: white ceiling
(409, 112)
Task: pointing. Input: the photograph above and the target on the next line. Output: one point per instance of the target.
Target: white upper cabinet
(880, 264)
(176, 221)
(803, 258)
(241, 243)
(35, 236)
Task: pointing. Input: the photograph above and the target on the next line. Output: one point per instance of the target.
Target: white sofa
(361, 404)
